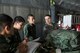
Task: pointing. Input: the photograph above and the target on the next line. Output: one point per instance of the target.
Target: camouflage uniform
(66, 40)
(46, 48)
(47, 29)
(4, 44)
(30, 31)
(15, 40)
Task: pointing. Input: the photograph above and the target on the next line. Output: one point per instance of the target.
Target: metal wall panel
(44, 4)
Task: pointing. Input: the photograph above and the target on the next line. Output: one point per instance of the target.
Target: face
(31, 20)
(18, 25)
(47, 19)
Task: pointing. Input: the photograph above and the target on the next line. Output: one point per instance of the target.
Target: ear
(6, 28)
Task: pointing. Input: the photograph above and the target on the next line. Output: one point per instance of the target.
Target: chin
(18, 28)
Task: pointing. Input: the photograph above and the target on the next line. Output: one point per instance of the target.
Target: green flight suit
(30, 31)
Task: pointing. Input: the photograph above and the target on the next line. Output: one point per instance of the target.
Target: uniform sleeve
(55, 26)
(25, 30)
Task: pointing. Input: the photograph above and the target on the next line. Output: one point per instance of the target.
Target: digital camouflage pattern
(66, 40)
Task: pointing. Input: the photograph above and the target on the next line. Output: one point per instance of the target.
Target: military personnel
(5, 32)
(49, 26)
(30, 28)
(15, 38)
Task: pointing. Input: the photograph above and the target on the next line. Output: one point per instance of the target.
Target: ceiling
(68, 6)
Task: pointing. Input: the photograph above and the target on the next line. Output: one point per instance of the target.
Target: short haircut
(30, 15)
(5, 20)
(18, 19)
(48, 15)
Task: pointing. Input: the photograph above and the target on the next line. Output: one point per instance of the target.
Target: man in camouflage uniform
(16, 41)
(49, 26)
(30, 28)
(5, 31)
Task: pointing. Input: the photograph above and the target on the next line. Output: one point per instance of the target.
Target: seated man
(15, 38)
(30, 33)
(49, 26)
(30, 28)
(5, 32)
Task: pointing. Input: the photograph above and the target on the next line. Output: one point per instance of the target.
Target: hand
(24, 42)
(26, 39)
